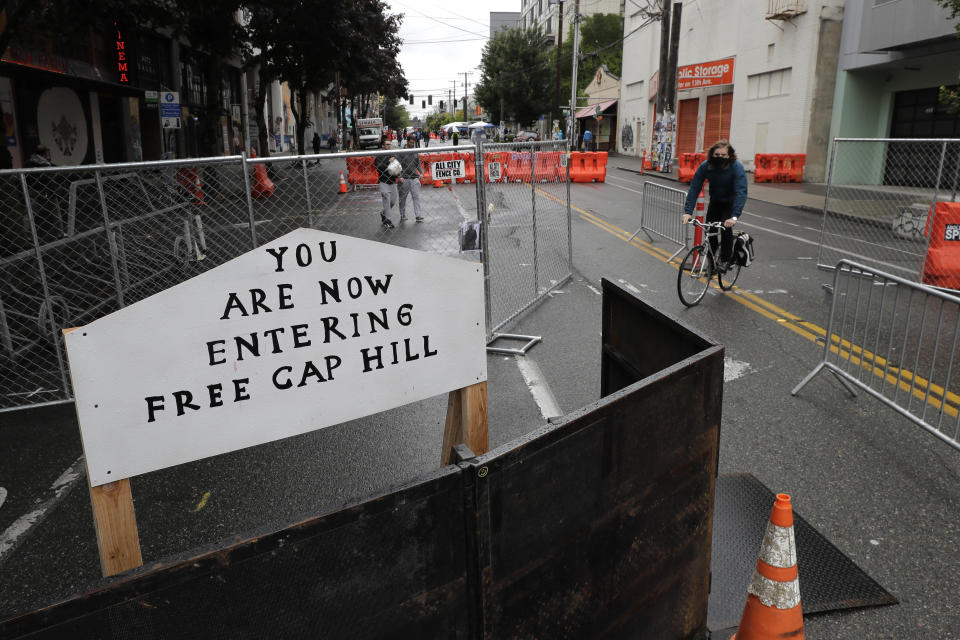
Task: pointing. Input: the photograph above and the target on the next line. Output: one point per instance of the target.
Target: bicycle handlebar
(708, 225)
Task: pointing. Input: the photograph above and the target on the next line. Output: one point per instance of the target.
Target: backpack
(743, 249)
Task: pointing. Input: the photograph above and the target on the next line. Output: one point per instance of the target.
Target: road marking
(61, 488)
(203, 502)
(624, 188)
(456, 199)
(594, 289)
(855, 354)
(538, 387)
(733, 369)
(629, 287)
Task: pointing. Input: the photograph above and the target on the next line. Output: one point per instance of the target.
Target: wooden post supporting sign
(466, 421)
(115, 523)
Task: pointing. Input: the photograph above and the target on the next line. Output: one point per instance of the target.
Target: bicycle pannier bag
(743, 249)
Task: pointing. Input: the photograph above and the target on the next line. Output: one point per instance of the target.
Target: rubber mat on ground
(828, 579)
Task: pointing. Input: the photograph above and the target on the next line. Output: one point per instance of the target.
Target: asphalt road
(872, 483)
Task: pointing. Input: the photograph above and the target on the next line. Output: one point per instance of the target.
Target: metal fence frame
(878, 200)
(892, 328)
(541, 212)
(661, 213)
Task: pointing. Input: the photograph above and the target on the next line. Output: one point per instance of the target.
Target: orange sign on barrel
(705, 74)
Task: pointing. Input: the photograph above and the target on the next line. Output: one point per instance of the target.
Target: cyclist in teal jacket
(728, 193)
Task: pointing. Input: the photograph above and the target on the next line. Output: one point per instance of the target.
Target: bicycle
(699, 265)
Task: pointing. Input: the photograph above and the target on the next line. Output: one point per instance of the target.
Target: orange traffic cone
(773, 608)
(263, 186)
(343, 184)
(698, 232)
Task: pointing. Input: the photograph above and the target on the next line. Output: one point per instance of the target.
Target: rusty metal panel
(639, 340)
(391, 567)
(599, 526)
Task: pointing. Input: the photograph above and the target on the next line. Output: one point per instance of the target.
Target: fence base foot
(529, 342)
(817, 370)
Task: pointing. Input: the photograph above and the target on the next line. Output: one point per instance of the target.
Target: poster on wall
(62, 126)
(9, 123)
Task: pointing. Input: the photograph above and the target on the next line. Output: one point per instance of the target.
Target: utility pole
(571, 123)
(465, 92)
(664, 56)
(453, 104)
(671, 97)
(556, 102)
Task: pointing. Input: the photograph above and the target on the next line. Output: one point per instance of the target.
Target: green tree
(436, 120)
(601, 39)
(951, 97)
(515, 75)
(395, 115)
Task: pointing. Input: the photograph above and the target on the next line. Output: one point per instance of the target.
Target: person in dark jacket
(388, 176)
(728, 194)
(455, 137)
(316, 142)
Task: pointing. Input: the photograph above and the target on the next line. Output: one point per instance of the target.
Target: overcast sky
(440, 43)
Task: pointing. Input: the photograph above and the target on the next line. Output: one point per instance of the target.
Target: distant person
(410, 181)
(728, 194)
(455, 137)
(388, 176)
(316, 142)
(587, 140)
(426, 139)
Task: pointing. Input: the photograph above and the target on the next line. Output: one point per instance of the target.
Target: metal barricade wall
(661, 211)
(77, 243)
(527, 203)
(879, 207)
(897, 340)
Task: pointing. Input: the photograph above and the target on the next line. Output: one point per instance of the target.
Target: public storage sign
(705, 74)
(310, 330)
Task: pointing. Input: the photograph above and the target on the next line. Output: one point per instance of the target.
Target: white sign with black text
(493, 170)
(310, 330)
(449, 170)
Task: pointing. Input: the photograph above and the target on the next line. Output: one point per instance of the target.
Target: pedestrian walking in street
(455, 136)
(728, 194)
(426, 139)
(388, 176)
(410, 181)
(587, 140)
(316, 142)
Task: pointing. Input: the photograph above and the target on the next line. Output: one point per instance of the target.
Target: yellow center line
(855, 354)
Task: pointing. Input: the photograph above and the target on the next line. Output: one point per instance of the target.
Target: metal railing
(883, 198)
(77, 243)
(897, 340)
(661, 211)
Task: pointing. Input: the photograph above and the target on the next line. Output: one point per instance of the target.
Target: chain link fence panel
(890, 204)
(78, 243)
(528, 224)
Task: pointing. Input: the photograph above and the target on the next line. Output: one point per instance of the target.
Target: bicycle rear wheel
(693, 278)
(729, 277)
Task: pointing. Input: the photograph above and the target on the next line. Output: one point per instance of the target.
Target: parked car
(526, 136)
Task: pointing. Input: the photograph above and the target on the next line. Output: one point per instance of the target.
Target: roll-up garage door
(719, 108)
(687, 125)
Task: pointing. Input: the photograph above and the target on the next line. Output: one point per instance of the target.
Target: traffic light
(430, 100)
(423, 104)
(441, 105)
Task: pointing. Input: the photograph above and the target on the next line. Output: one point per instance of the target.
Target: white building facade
(760, 74)
(545, 14)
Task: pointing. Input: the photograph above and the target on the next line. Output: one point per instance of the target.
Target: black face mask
(719, 163)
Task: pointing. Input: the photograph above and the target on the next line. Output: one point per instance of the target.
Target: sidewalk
(807, 196)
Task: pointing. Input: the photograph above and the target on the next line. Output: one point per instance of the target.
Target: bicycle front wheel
(694, 276)
(729, 277)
